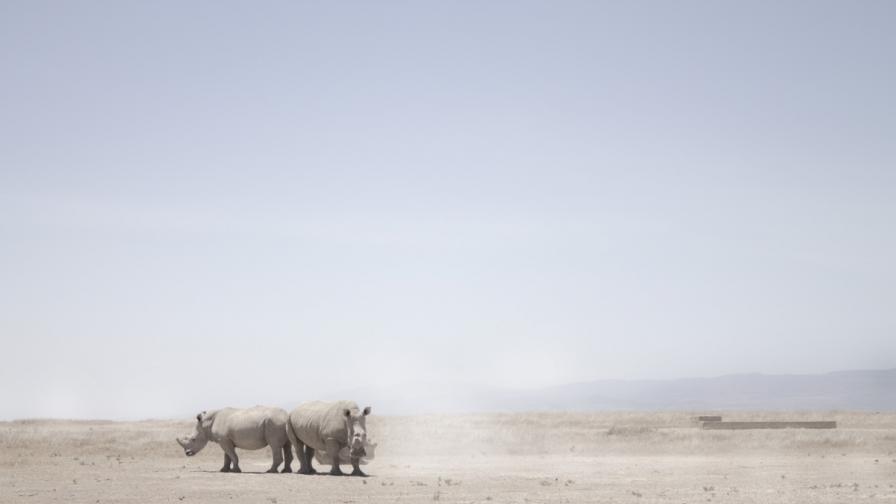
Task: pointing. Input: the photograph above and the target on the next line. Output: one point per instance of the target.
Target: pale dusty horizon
(737, 394)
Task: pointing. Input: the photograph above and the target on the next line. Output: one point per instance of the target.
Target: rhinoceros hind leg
(309, 460)
(277, 454)
(287, 456)
(304, 461)
(226, 467)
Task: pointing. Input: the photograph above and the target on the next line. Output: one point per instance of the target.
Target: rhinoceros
(247, 429)
(329, 427)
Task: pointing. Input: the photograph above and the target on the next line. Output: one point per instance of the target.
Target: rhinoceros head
(356, 425)
(196, 441)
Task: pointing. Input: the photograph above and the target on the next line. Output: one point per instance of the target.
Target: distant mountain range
(865, 390)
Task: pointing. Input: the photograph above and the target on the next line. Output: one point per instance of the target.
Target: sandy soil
(542, 457)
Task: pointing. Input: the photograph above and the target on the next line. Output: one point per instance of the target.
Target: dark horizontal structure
(769, 425)
(709, 418)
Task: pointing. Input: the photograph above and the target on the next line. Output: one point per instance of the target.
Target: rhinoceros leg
(230, 450)
(301, 452)
(295, 442)
(226, 467)
(287, 456)
(333, 451)
(309, 458)
(356, 467)
(277, 454)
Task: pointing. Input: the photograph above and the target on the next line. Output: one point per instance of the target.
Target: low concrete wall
(769, 425)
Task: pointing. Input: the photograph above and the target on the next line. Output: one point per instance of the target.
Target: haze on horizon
(214, 203)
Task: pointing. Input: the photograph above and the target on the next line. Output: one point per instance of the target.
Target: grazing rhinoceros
(329, 427)
(247, 429)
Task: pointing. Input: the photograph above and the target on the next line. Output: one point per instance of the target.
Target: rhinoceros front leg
(333, 451)
(230, 450)
(356, 467)
(226, 467)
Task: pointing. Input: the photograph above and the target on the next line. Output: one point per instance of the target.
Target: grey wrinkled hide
(247, 429)
(329, 427)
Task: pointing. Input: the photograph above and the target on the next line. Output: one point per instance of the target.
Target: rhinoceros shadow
(215, 471)
(265, 473)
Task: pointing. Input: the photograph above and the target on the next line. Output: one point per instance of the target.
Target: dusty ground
(544, 457)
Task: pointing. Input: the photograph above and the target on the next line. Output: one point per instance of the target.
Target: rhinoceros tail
(291, 433)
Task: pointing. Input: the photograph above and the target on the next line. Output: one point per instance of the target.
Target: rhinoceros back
(315, 422)
(250, 428)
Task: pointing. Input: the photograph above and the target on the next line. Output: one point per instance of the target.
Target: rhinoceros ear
(347, 412)
(367, 411)
(199, 417)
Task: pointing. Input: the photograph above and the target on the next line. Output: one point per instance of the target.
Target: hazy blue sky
(212, 203)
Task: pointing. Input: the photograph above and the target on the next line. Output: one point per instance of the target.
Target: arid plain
(487, 458)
